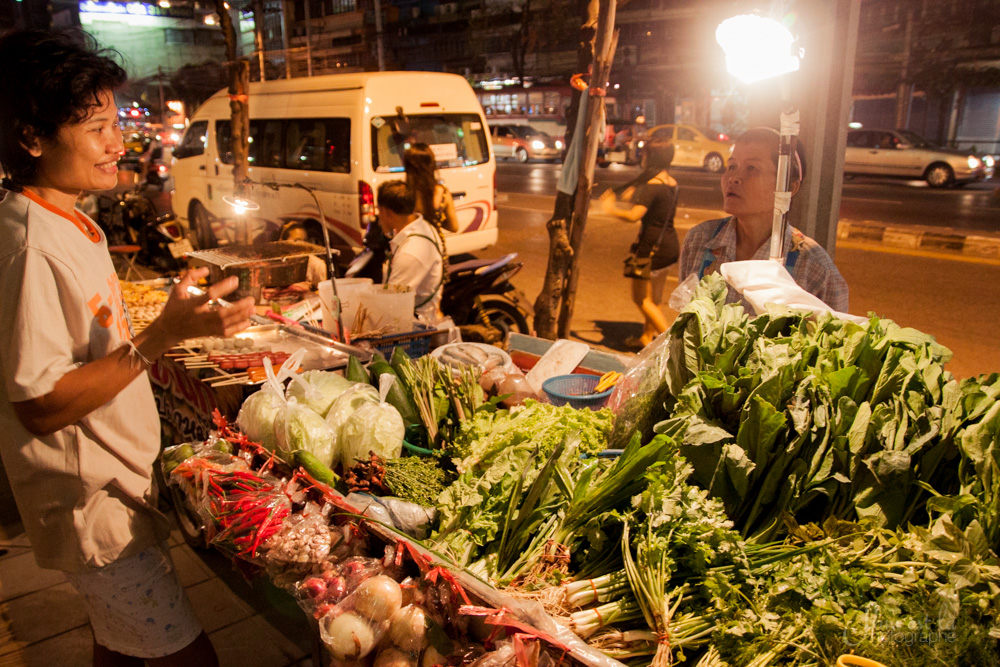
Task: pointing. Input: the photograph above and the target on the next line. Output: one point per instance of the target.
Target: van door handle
(457, 195)
(201, 167)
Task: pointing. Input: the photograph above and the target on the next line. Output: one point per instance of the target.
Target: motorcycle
(478, 295)
(156, 169)
(129, 218)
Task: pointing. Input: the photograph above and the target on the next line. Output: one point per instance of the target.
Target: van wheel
(201, 222)
(521, 155)
(714, 163)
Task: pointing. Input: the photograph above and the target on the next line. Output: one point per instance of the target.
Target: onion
(432, 657)
(350, 637)
(408, 630)
(393, 657)
(378, 598)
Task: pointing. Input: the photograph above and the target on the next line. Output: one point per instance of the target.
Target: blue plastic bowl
(575, 390)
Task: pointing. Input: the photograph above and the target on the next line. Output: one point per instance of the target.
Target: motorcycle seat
(480, 266)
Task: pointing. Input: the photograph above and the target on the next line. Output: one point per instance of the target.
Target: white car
(905, 154)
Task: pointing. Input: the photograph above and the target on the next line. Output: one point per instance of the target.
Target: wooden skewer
(201, 365)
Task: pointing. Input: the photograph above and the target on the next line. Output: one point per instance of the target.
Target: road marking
(929, 254)
(877, 201)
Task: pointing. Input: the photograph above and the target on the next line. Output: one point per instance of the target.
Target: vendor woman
(80, 428)
(748, 188)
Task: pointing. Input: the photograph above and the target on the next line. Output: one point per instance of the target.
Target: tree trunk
(604, 54)
(548, 301)
(239, 107)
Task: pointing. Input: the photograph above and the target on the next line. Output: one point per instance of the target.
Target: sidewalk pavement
(43, 622)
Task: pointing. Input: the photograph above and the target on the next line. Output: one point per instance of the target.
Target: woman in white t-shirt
(80, 426)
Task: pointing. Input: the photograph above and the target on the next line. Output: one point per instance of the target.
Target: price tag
(179, 248)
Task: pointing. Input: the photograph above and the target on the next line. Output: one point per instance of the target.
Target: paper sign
(378, 122)
(180, 248)
(444, 152)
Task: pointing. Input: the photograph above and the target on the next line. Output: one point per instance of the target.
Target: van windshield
(458, 140)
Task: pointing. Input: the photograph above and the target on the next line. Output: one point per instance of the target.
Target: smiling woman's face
(82, 156)
(749, 181)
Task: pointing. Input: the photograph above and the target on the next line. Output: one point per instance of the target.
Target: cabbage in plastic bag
(298, 427)
(372, 427)
(348, 403)
(318, 390)
(257, 415)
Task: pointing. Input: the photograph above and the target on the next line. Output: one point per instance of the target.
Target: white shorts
(137, 605)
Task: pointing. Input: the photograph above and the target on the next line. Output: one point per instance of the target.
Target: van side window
(193, 142)
(318, 144)
(267, 149)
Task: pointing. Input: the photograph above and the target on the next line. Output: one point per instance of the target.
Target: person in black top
(650, 199)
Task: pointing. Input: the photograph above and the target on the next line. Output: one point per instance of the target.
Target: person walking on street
(748, 191)
(651, 200)
(81, 429)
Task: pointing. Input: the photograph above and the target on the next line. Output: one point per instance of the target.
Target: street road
(975, 207)
(952, 297)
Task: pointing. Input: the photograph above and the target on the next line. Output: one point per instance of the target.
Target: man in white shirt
(416, 258)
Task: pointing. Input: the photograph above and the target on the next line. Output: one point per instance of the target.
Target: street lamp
(241, 204)
(759, 48)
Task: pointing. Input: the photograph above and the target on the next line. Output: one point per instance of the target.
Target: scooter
(478, 295)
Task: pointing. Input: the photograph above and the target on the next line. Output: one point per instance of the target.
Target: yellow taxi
(695, 146)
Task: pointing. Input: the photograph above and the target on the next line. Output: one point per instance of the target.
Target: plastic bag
(413, 519)
(356, 626)
(298, 427)
(372, 427)
(682, 295)
(516, 387)
(347, 404)
(317, 390)
(320, 593)
(259, 410)
(638, 400)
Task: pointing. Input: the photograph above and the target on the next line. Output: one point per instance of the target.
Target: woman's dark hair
(769, 137)
(397, 197)
(659, 154)
(420, 163)
(50, 79)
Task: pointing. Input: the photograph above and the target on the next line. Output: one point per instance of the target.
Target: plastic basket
(415, 343)
(575, 391)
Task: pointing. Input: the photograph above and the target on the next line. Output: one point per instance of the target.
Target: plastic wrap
(639, 398)
(374, 428)
(317, 390)
(259, 410)
(354, 628)
(298, 427)
(413, 519)
(348, 403)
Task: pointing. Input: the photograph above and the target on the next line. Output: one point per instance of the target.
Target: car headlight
(559, 145)
(974, 162)
(988, 160)
(538, 145)
(641, 144)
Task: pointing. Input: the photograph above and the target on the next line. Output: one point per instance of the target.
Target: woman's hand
(186, 316)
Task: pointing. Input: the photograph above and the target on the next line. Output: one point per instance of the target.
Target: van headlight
(988, 160)
(559, 145)
(538, 145)
(974, 162)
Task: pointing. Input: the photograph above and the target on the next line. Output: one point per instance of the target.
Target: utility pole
(163, 103)
(258, 36)
(309, 40)
(284, 38)
(904, 91)
(378, 36)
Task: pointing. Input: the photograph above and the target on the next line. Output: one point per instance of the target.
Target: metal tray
(322, 354)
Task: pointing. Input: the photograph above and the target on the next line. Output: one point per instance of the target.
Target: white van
(341, 136)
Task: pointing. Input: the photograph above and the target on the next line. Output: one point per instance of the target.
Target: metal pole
(284, 39)
(163, 103)
(783, 189)
(330, 268)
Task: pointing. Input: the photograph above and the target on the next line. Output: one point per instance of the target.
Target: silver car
(523, 143)
(905, 154)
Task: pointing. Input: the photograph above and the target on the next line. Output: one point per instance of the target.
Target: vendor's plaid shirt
(814, 270)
